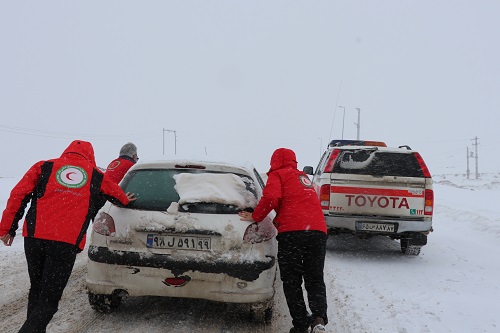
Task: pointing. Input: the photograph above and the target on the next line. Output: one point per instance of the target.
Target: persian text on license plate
(379, 227)
(179, 242)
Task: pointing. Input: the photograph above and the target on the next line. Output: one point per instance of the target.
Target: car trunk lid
(161, 232)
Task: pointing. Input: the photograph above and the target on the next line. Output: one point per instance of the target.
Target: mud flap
(418, 239)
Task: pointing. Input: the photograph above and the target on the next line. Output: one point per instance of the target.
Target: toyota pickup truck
(368, 189)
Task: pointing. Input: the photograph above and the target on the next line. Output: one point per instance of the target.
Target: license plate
(377, 227)
(179, 242)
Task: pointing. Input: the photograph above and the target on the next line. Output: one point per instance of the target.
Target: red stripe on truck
(417, 193)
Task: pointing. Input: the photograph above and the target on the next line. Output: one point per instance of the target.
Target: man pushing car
(63, 194)
(301, 239)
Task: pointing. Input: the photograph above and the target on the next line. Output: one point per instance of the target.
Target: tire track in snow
(74, 314)
(342, 318)
(14, 286)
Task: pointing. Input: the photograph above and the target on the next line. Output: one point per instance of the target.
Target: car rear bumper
(104, 278)
(243, 270)
(350, 224)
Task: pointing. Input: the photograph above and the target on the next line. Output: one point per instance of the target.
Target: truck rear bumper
(350, 224)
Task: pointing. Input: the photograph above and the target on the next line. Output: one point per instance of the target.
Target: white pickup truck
(368, 189)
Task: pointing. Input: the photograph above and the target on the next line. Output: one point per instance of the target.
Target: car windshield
(377, 163)
(196, 191)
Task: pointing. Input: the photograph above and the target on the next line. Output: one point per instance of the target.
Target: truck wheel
(409, 249)
(104, 303)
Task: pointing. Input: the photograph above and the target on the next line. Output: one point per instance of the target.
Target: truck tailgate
(395, 199)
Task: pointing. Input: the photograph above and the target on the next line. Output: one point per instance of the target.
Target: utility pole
(175, 140)
(468, 170)
(476, 156)
(343, 120)
(358, 124)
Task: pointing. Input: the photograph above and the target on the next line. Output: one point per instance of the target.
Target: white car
(183, 237)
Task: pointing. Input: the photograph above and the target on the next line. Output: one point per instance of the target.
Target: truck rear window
(377, 163)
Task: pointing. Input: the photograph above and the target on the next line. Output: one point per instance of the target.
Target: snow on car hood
(227, 189)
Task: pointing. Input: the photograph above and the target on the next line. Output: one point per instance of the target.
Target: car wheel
(104, 303)
(268, 315)
(409, 249)
(263, 315)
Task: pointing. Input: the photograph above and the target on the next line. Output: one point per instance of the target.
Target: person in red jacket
(301, 239)
(62, 193)
(117, 169)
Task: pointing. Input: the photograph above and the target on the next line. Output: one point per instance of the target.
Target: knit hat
(128, 149)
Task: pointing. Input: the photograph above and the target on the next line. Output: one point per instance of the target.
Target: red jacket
(118, 168)
(63, 193)
(290, 193)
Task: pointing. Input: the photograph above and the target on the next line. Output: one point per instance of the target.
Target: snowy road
(144, 314)
(451, 287)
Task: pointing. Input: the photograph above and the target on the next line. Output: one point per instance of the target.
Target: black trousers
(49, 266)
(301, 257)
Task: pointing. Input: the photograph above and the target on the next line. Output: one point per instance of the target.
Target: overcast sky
(238, 79)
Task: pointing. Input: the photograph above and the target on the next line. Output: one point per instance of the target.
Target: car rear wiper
(208, 208)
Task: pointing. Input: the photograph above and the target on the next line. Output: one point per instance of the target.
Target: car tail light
(331, 160)
(104, 224)
(177, 281)
(324, 196)
(429, 202)
(259, 232)
(423, 166)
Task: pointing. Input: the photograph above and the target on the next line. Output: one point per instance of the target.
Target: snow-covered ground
(451, 287)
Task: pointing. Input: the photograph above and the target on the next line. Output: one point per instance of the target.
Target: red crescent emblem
(68, 177)
(305, 181)
(113, 165)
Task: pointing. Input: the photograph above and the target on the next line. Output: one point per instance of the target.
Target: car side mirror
(308, 170)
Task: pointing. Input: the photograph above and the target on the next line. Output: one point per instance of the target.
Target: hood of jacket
(283, 158)
(82, 148)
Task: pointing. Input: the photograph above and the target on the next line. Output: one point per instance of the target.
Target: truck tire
(408, 249)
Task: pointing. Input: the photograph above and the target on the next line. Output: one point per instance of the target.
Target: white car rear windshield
(155, 189)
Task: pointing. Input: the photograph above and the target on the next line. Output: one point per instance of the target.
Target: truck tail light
(429, 202)
(331, 160)
(423, 166)
(104, 224)
(324, 196)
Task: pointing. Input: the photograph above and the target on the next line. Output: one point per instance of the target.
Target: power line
(65, 135)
